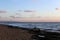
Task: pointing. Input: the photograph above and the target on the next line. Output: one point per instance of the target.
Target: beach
(12, 33)
(8, 32)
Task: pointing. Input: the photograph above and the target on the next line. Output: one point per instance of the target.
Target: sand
(11, 33)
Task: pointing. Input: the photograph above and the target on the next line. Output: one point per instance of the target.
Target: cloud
(57, 8)
(19, 10)
(0, 17)
(29, 11)
(3, 11)
(12, 16)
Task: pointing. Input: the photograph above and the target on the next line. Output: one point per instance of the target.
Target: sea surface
(42, 25)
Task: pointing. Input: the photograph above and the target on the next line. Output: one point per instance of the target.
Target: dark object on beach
(52, 36)
(34, 30)
(38, 34)
(10, 26)
(38, 37)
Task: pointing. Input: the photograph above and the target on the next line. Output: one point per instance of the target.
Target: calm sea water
(43, 25)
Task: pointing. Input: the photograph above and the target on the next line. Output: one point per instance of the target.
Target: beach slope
(13, 33)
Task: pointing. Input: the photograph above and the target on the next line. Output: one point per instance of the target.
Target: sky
(30, 10)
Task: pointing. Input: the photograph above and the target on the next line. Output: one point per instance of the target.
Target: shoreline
(8, 32)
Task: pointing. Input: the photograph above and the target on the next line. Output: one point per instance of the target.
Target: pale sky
(30, 10)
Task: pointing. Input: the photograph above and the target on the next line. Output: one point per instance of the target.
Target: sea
(41, 25)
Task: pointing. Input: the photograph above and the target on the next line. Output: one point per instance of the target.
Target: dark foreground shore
(13, 33)
(8, 32)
